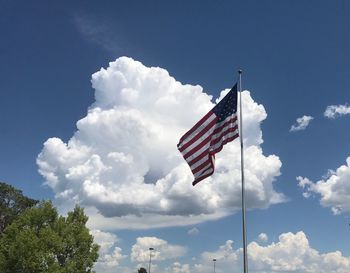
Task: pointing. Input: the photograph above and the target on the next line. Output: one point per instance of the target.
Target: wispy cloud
(194, 231)
(301, 123)
(334, 111)
(100, 32)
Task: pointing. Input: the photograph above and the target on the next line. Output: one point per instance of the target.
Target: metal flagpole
(150, 259)
(245, 256)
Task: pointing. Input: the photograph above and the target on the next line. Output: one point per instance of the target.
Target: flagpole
(245, 256)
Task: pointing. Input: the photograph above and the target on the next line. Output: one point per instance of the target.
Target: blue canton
(227, 106)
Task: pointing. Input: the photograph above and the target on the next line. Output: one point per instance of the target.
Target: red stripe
(201, 166)
(221, 146)
(204, 142)
(201, 178)
(199, 157)
(198, 147)
(223, 133)
(203, 172)
(198, 135)
(232, 120)
(199, 123)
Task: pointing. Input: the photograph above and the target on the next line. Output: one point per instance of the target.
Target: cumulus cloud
(162, 250)
(263, 237)
(301, 123)
(193, 231)
(333, 189)
(122, 163)
(109, 254)
(292, 253)
(178, 268)
(334, 111)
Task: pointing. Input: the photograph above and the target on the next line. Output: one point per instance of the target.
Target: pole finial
(240, 71)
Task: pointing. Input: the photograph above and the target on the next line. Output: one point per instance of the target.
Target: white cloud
(162, 250)
(109, 254)
(98, 221)
(193, 231)
(122, 163)
(100, 32)
(263, 237)
(334, 189)
(334, 111)
(292, 253)
(178, 268)
(301, 123)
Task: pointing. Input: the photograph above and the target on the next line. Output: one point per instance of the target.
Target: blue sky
(295, 59)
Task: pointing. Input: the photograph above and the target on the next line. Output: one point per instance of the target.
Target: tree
(12, 203)
(142, 270)
(41, 241)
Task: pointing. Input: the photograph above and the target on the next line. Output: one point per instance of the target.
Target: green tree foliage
(142, 270)
(40, 240)
(12, 203)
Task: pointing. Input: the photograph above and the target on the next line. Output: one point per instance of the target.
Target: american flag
(218, 127)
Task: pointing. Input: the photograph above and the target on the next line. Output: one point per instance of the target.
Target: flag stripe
(201, 166)
(203, 176)
(206, 137)
(222, 135)
(222, 124)
(197, 150)
(201, 125)
(203, 171)
(198, 161)
(202, 120)
(198, 155)
(200, 135)
(219, 146)
(205, 166)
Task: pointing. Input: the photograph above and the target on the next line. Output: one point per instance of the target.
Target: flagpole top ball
(240, 71)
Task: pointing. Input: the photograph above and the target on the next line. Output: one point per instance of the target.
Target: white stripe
(199, 162)
(230, 134)
(202, 169)
(205, 173)
(227, 127)
(201, 150)
(199, 141)
(227, 119)
(200, 128)
(197, 153)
